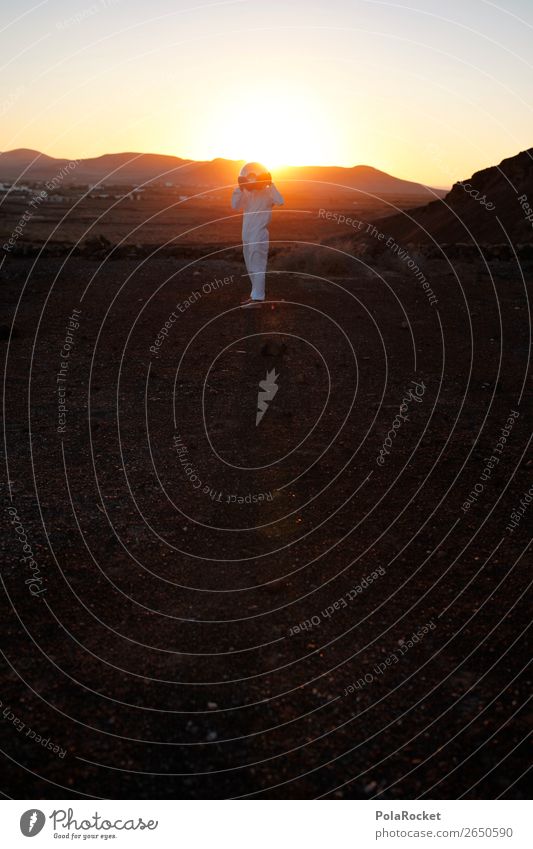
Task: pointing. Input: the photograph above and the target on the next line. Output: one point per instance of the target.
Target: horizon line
(220, 158)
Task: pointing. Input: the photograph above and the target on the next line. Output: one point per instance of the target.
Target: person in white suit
(255, 195)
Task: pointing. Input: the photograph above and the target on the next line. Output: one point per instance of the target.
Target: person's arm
(236, 198)
(276, 197)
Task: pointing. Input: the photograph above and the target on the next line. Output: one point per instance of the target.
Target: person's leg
(255, 258)
(247, 249)
(258, 285)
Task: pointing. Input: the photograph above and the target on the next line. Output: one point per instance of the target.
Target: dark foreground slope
(494, 206)
(306, 621)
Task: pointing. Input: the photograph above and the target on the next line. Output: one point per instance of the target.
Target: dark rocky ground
(160, 657)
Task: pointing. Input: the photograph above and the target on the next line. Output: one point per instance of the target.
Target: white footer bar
(268, 824)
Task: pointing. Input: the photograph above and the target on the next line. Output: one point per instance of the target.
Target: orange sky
(430, 94)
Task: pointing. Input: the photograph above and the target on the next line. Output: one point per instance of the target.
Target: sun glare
(277, 127)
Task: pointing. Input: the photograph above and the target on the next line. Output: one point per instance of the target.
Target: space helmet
(254, 176)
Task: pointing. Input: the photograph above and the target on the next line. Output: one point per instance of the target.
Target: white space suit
(257, 208)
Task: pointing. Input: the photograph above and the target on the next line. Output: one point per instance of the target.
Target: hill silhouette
(490, 207)
(135, 168)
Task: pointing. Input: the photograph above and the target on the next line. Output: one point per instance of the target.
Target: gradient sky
(424, 89)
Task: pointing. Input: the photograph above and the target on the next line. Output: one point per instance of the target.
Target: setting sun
(278, 125)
